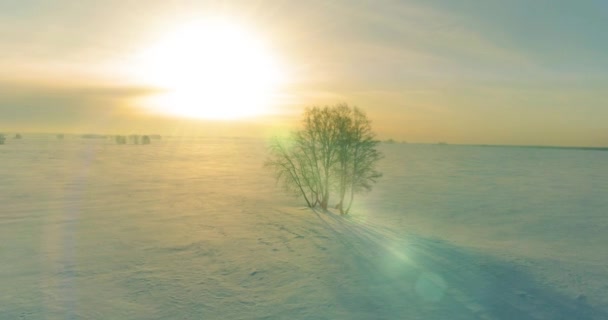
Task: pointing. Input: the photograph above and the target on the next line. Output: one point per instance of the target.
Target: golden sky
(494, 72)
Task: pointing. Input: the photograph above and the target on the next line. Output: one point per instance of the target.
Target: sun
(210, 69)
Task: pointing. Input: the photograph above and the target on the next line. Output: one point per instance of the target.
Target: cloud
(46, 105)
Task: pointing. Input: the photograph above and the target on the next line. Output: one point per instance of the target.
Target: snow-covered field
(197, 229)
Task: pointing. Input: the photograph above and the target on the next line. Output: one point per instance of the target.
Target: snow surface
(197, 229)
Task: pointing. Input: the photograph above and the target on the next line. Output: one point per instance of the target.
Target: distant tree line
(119, 139)
(134, 139)
(333, 153)
(3, 137)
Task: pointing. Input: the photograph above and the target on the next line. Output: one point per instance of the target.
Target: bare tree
(293, 169)
(333, 152)
(342, 170)
(364, 157)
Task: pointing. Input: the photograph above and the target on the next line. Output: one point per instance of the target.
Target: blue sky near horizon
(504, 72)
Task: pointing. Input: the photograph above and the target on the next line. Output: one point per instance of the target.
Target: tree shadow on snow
(389, 276)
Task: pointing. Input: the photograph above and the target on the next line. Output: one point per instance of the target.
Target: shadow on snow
(388, 275)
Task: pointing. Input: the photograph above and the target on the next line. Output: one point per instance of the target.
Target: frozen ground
(196, 229)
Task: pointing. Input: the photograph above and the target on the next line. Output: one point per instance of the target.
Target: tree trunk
(324, 201)
(352, 197)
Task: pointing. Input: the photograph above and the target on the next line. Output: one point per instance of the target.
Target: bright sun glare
(211, 70)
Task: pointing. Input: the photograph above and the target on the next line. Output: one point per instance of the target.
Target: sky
(472, 72)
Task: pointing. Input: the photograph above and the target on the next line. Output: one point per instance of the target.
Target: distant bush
(334, 152)
(2, 139)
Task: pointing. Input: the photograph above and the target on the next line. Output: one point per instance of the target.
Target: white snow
(196, 229)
